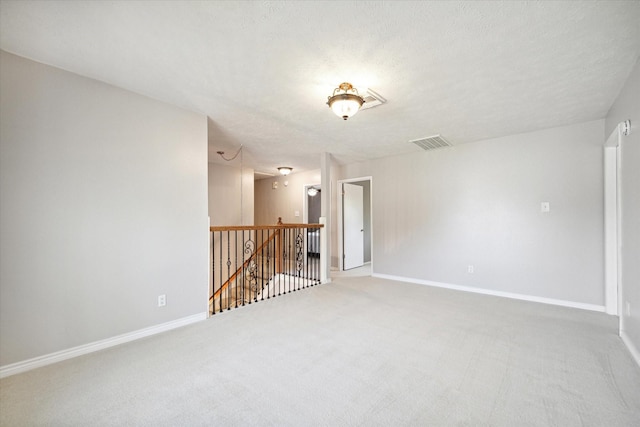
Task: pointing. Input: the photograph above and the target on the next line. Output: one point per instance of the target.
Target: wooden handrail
(262, 227)
(244, 265)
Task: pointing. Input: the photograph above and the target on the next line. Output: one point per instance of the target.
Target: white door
(353, 226)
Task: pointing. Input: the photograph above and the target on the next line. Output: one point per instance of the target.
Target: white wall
(103, 207)
(231, 194)
(435, 213)
(283, 201)
(627, 107)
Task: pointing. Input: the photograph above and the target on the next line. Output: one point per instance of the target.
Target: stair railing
(253, 263)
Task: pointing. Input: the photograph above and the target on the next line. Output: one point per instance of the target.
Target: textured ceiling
(262, 71)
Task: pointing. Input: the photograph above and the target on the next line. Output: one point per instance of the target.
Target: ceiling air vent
(431, 142)
(372, 99)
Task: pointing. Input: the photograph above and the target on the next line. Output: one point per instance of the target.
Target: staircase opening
(254, 263)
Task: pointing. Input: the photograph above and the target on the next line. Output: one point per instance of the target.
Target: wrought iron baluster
(299, 252)
(235, 267)
(250, 250)
(261, 264)
(228, 267)
(317, 264)
(221, 281)
(243, 283)
(317, 275)
(278, 267)
(292, 257)
(213, 272)
(285, 280)
(309, 261)
(268, 275)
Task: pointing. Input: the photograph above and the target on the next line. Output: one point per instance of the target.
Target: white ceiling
(262, 71)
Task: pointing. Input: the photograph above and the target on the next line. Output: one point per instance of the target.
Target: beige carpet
(359, 351)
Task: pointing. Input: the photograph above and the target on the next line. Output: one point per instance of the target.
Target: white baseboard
(591, 307)
(632, 348)
(48, 359)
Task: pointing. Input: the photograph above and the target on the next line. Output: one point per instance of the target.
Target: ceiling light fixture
(285, 170)
(312, 191)
(345, 101)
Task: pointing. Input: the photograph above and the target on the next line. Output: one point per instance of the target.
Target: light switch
(544, 207)
(274, 185)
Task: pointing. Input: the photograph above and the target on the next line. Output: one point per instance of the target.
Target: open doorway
(312, 203)
(355, 233)
(311, 211)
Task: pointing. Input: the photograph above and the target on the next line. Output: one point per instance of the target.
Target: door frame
(611, 225)
(613, 221)
(340, 217)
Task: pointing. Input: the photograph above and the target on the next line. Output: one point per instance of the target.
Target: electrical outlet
(470, 269)
(162, 300)
(545, 207)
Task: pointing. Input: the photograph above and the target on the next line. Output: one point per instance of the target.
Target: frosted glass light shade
(345, 101)
(285, 170)
(346, 105)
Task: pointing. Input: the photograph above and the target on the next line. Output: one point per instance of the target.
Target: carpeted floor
(360, 351)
